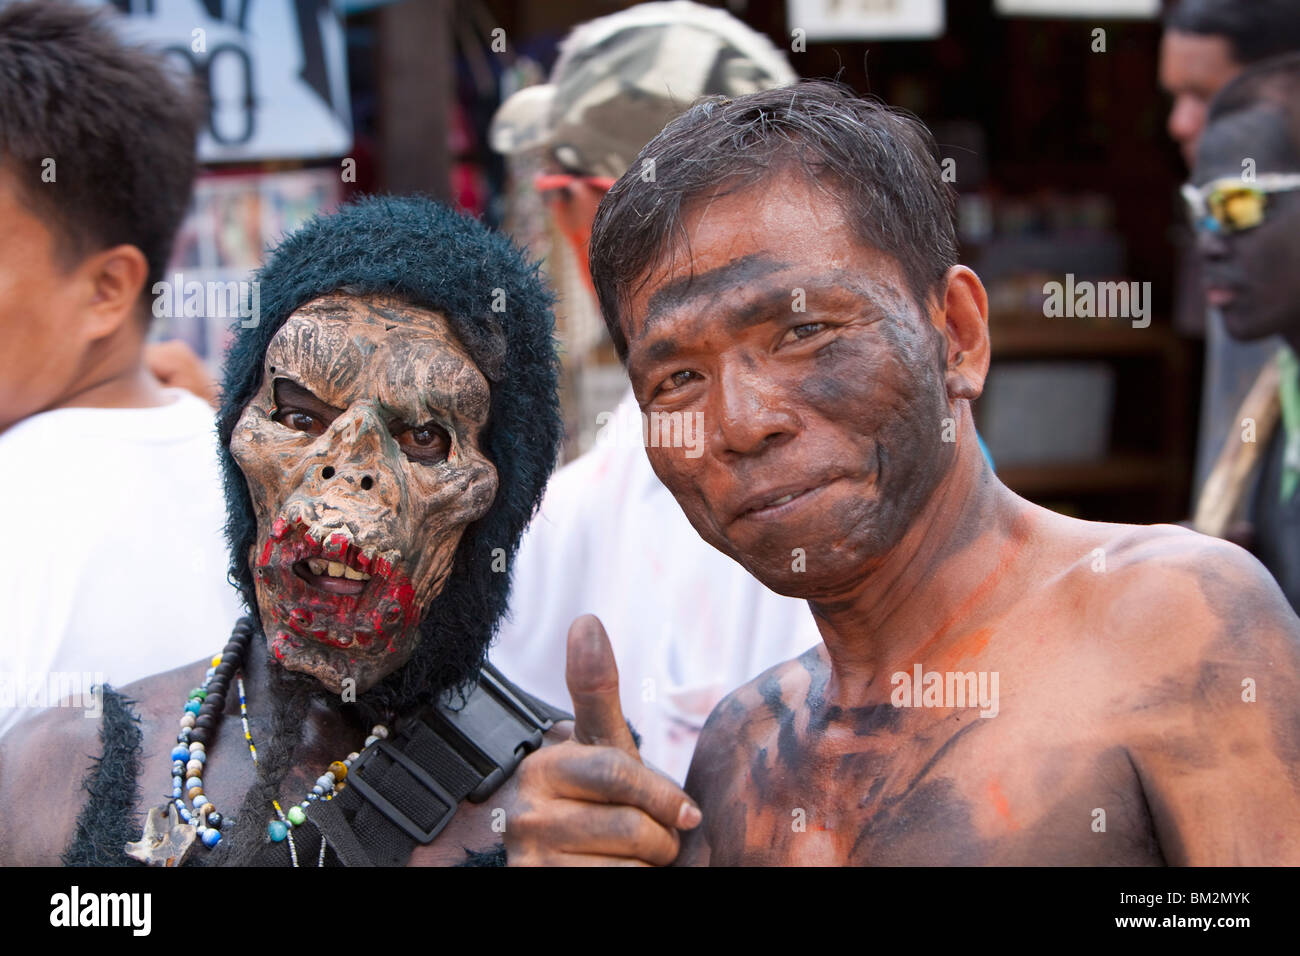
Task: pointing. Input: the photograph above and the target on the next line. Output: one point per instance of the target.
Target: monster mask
(387, 426)
(361, 453)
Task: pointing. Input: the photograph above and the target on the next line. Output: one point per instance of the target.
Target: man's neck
(933, 590)
(132, 386)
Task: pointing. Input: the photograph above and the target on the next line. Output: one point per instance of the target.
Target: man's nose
(355, 452)
(752, 411)
(1186, 120)
(1211, 245)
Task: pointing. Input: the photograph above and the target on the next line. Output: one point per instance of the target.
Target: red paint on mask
(384, 611)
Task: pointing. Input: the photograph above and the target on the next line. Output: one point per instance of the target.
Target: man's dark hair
(119, 128)
(1255, 29)
(434, 258)
(1274, 82)
(881, 163)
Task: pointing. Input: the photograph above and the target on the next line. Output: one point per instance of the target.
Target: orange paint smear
(977, 640)
(1001, 805)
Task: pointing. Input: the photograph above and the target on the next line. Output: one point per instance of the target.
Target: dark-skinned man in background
(1245, 201)
(1205, 44)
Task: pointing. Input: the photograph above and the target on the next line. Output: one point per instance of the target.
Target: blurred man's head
(96, 167)
(790, 277)
(1208, 42)
(618, 80)
(1245, 198)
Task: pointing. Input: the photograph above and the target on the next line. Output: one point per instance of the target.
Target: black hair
(880, 162)
(117, 125)
(1275, 82)
(421, 252)
(1255, 29)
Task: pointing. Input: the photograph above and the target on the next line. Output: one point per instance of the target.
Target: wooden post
(416, 87)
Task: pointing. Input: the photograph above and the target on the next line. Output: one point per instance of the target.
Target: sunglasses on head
(547, 182)
(1230, 205)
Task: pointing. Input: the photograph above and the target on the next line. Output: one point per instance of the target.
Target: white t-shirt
(688, 625)
(115, 562)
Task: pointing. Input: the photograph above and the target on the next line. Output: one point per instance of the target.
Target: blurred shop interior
(1060, 158)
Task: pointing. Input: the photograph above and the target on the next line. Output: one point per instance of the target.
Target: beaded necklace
(202, 714)
(198, 721)
(327, 785)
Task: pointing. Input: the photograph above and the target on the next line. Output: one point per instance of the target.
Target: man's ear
(114, 280)
(965, 315)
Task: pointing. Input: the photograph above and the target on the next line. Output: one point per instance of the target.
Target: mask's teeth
(354, 575)
(317, 565)
(337, 543)
(335, 569)
(318, 533)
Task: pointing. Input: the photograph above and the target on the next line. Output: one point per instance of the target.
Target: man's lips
(774, 504)
(328, 560)
(1219, 296)
(1221, 287)
(332, 577)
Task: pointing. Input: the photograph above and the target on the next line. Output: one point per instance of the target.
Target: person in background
(1205, 44)
(113, 506)
(1248, 230)
(176, 365)
(688, 624)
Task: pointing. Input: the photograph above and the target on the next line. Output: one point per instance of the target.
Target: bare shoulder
(39, 787)
(751, 713)
(1201, 678)
(44, 762)
(1181, 595)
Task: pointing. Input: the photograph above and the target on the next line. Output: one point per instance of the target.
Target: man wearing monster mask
(387, 429)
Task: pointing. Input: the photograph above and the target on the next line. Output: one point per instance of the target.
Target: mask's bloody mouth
(330, 589)
(332, 577)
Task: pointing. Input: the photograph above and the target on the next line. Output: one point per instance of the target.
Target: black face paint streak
(680, 292)
(787, 743)
(760, 773)
(819, 675)
(938, 755)
(871, 721)
(901, 833)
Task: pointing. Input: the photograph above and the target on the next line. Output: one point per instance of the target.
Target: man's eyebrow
(763, 303)
(673, 295)
(289, 392)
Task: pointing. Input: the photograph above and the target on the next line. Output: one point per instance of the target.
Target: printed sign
(275, 72)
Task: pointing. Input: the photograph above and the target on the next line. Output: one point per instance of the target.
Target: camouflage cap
(621, 78)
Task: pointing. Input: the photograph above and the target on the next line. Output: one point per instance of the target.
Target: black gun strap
(406, 789)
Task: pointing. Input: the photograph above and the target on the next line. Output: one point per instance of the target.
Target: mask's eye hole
(426, 443)
(299, 421)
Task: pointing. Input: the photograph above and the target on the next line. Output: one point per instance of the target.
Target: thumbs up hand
(590, 801)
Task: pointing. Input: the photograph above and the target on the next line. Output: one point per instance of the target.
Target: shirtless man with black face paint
(1147, 679)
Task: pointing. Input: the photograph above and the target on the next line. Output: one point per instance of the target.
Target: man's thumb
(592, 676)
